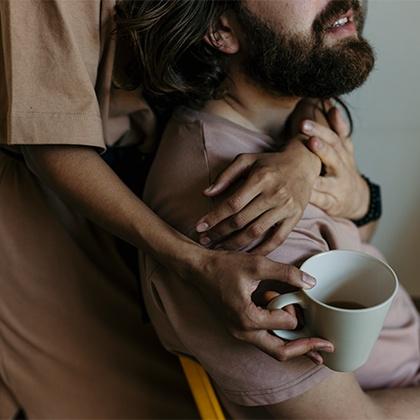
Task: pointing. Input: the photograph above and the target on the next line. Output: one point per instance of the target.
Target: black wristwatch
(375, 204)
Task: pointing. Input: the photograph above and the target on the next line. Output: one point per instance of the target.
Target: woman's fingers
(239, 167)
(230, 206)
(282, 350)
(242, 222)
(277, 237)
(244, 228)
(250, 233)
(266, 269)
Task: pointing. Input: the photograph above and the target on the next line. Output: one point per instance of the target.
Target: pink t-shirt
(196, 146)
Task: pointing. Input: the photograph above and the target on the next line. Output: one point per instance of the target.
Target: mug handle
(288, 299)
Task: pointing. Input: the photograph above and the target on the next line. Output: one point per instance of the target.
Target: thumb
(285, 273)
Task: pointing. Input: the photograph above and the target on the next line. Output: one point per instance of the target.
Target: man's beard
(293, 65)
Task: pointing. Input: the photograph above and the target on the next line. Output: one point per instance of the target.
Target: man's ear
(223, 35)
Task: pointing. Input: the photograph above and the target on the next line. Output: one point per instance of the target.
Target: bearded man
(236, 71)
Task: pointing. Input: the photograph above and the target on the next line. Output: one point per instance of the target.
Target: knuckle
(255, 231)
(236, 333)
(290, 203)
(289, 323)
(245, 323)
(265, 175)
(291, 273)
(275, 241)
(259, 264)
(234, 204)
(284, 195)
(237, 221)
(281, 355)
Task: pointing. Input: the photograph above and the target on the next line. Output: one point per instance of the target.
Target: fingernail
(328, 349)
(208, 189)
(308, 280)
(205, 240)
(202, 227)
(308, 125)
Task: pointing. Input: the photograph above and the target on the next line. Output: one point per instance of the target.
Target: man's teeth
(340, 22)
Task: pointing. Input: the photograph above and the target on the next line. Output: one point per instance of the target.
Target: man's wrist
(362, 204)
(374, 209)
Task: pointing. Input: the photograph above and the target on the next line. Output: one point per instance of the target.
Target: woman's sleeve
(50, 50)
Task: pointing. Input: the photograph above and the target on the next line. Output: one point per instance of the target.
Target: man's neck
(248, 105)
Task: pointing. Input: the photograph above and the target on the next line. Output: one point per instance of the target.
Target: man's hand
(271, 200)
(229, 279)
(341, 191)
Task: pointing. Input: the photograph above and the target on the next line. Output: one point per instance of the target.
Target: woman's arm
(278, 187)
(80, 177)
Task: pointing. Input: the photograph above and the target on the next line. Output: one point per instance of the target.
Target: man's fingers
(235, 170)
(327, 153)
(338, 123)
(322, 200)
(325, 184)
(313, 129)
(230, 206)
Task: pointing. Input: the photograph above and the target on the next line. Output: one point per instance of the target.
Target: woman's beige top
(56, 63)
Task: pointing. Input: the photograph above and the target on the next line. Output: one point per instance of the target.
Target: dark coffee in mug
(345, 304)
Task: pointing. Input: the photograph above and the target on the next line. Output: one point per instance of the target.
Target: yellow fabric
(202, 390)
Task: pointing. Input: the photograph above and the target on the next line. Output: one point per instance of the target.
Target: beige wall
(387, 134)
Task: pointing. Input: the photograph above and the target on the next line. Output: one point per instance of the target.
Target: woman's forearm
(81, 178)
(301, 156)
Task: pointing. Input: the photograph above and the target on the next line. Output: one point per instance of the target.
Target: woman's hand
(229, 280)
(340, 191)
(272, 198)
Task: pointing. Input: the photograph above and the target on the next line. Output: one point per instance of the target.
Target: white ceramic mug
(343, 277)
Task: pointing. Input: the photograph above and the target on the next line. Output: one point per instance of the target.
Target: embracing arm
(279, 185)
(273, 197)
(80, 177)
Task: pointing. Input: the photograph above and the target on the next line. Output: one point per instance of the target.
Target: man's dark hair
(172, 61)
